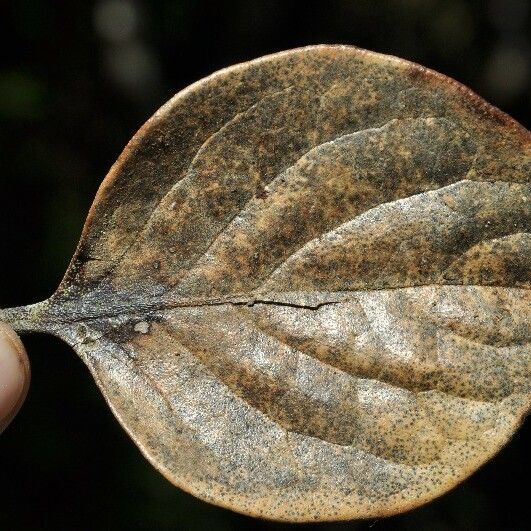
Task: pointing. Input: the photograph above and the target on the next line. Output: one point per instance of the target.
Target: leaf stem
(28, 318)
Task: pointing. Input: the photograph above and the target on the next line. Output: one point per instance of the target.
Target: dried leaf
(304, 286)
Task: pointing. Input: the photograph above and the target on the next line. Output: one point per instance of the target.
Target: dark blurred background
(77, 79)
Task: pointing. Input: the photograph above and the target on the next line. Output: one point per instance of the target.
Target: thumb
(14, 374)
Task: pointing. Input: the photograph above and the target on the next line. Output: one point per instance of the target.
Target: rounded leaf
(303, 288)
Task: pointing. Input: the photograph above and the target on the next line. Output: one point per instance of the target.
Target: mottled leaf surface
(303, 288)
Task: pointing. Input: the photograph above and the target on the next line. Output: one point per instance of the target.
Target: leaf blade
(309, 298)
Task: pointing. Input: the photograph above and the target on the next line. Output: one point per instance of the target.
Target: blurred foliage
(77, 79)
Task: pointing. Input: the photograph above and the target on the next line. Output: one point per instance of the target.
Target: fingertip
(14, 374)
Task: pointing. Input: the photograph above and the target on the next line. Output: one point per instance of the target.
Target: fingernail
(14, 374)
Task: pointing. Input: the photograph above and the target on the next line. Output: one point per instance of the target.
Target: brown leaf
(304, 286)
